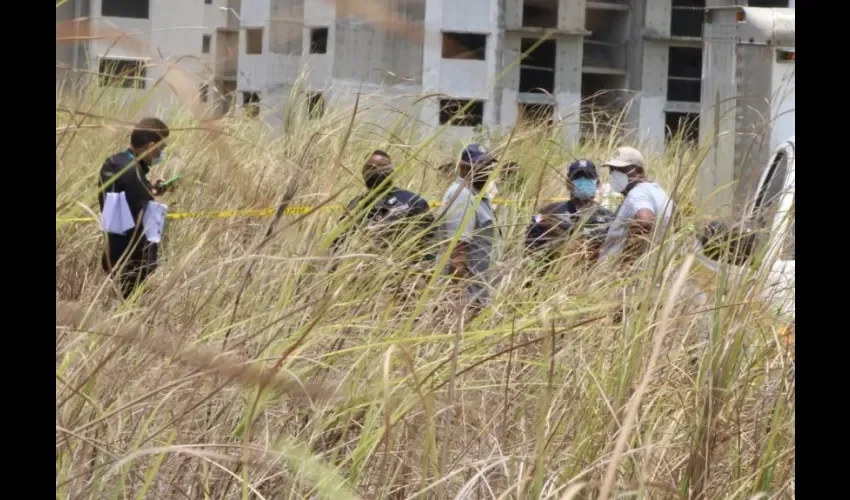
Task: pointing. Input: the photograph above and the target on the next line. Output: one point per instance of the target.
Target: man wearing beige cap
(646, 207)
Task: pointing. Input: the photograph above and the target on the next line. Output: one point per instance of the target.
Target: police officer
(581, 214)
(385, 208)
(129, 256)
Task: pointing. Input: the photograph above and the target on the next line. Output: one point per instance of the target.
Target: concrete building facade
(639, 60)
(199, 36)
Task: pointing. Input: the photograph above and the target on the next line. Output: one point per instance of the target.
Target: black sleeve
(539, 232)
(411, 206)
(596, 228)
(422, 210)
(420, 206)
(137, 188)
(535, 234)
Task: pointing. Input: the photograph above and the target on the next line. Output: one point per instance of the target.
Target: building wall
(369, 60)
(71, 56)
(173, 29)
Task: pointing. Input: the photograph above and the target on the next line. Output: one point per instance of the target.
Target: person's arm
(551, 224)
(597, 230)
(642, 223)
(454, 223)
(138, 189)
(642, 206)
(538, 247)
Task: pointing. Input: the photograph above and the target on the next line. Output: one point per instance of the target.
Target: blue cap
(474, 154)
(582, 167)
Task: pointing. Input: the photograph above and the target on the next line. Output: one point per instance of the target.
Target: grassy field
(257, 365)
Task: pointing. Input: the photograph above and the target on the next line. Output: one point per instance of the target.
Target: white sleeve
(639, 199)
(459, 205)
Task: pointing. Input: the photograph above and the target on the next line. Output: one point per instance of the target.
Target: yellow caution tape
(268, 212)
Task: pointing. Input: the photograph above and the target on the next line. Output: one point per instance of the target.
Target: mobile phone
(170, 181)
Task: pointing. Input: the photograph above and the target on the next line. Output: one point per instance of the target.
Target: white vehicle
(770, 221)
(746, 119)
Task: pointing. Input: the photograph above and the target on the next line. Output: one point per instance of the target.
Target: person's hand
(457, 262)
(158, 187)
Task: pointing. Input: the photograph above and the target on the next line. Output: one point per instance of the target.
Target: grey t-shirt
(478, 231)
(647, 195)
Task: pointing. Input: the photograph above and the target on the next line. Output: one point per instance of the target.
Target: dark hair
(379, 152)
(148, 130)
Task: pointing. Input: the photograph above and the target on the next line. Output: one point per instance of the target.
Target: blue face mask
(584, 189)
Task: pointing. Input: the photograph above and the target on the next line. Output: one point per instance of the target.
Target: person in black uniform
(130, 257)
(581, 214)
(385, 209)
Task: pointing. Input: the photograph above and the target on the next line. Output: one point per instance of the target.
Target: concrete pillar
(648, 108)
(431, 56)
(568, 86)
(495, 43)
(647, 68)
(571, 14)
(657, 16)
(513, 12)
(510, 81)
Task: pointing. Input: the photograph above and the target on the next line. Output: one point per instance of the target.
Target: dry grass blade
(226, 365)
(634, 403)
(302, 371)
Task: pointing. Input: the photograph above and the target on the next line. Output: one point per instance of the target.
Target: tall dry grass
(259, 365)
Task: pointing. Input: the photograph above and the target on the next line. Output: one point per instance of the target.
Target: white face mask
(158, 158)
(618, 181)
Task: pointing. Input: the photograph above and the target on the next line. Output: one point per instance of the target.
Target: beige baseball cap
(626, 157)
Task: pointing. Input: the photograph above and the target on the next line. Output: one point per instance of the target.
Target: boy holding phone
(129, 256)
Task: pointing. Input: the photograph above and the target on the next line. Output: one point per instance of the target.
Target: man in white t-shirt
(479, 237)
(646, 209)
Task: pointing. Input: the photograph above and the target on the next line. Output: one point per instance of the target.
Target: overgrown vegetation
(258, 365)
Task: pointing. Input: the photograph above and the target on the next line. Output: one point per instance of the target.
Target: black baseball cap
(474, 154)
(585, 167)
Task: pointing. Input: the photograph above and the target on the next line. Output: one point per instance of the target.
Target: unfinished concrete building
(201, 36)
(633, 60)
(636, 61)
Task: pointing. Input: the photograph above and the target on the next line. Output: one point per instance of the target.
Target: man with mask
(473, 222)
(581, 215)
(646, 209)
(129, 254)
(383, 207)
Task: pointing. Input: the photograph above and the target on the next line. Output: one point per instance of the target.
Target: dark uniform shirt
(123, 173)
(131, 179)
(559, 221)
(387, 216)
